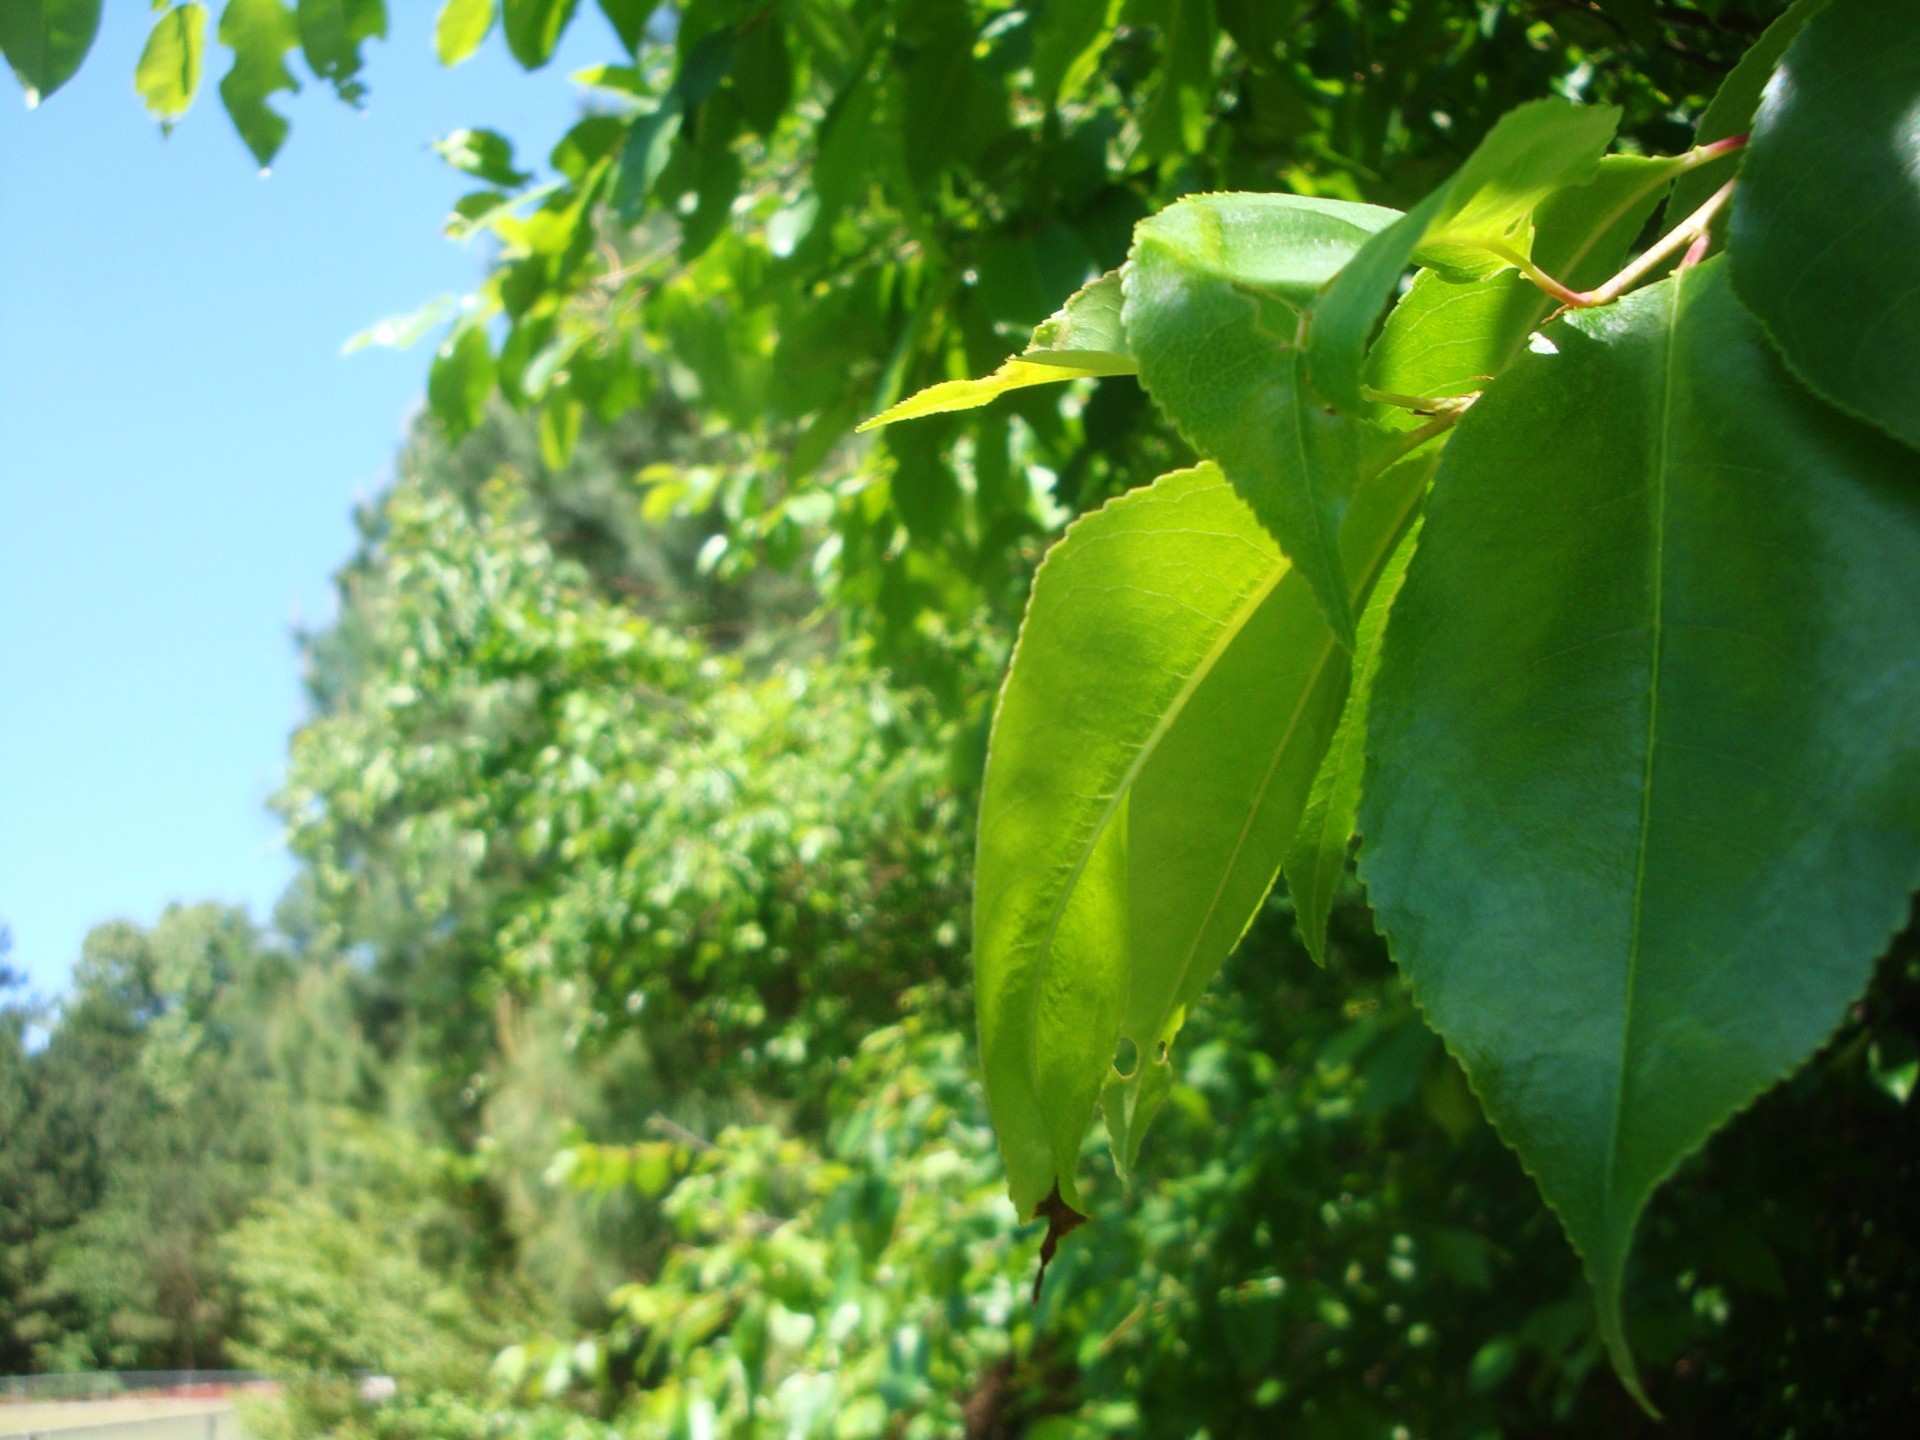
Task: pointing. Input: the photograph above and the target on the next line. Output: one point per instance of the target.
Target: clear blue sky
(181, 443)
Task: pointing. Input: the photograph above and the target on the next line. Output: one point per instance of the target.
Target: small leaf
(462, 25)
(46, 40)
(534, 28)
(1484, 212)
(1643, 792)
(1215, 290)
(1826, 221)
(485, 154)
(260, 33)
(1169, 701)
(1449, 337)
(461, 379)
(1082, 339)
(643, 159)
(1317, 859)
(1731, 110)
(629, 20)
(331, 34)
(168, 75)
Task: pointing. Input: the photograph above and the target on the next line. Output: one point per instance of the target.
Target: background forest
(608, 1068)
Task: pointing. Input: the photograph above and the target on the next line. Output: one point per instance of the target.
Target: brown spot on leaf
(1062, 1220)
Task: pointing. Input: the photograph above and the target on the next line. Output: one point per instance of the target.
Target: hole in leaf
(1126, 1058)
(1160, 1053)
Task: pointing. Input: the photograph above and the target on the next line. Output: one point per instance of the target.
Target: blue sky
(181, 443)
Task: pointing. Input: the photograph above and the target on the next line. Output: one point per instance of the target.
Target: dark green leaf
(1643, 791)
(1826, 221)
(1177, 117)
(534, 28)
(484, 154)
(45, 41)
(1068, 36)
(168, 75)
(643, 159)
(331, 34)
(763, 74)
(462, 25)
(260, 33)
(1731, 110)
(1482, 214)
(1215, 292)
(629, 20)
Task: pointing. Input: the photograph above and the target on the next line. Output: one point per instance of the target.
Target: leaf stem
(1688, 234)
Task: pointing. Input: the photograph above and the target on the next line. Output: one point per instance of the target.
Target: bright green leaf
(462, 25)
(260, 33)
(168, 75)
(1826, 220)
(45, 41)
(1483, 213)
(534, 28)
(1172, 694)
(1082, 339)
(461, 379)
(1643, 792)
(1215, 291)
(1450, 337)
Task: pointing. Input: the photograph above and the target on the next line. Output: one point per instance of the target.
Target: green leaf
(486, 154)
(462, 25)
(1643, 793)
(1826, 221)
(461, 379)
(1317, 859)
(763, 74)
(1178, 116)
(1449, 337)
(168, 75)
(1731, 110)
(1470, 224)
(1068, 37)
(1169, 701)
(629, 20)
(331, 34)
(1216, 288)
(260, 33)
(643, 159)
(45, 41)
(534, 28)
(1082, 339)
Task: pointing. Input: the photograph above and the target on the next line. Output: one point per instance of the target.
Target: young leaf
(45, 41)
(260, 33)
(534, 28)
(1730, 112)
(1082, 339)
(1482, 214)
(1171, 696)
(1215, 288)
(1317, 859)
(1826, 221)
(168, 75)
(1451, 337)
(462, 25)
(1643, 792)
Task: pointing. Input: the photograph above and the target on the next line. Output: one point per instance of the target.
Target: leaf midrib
(1658, 576)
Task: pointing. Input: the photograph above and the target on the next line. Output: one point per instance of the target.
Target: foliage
(1640, 806)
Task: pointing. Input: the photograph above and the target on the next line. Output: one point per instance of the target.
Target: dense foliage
(609, 1067)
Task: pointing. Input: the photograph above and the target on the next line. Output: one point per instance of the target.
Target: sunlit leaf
(260, 33)
(485, 154)
(534, 28)
(1216, 288)
(1643, 791)
(1480, 215)
(331, 34)
(45, 41)
(462, 25)
(168, 75)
